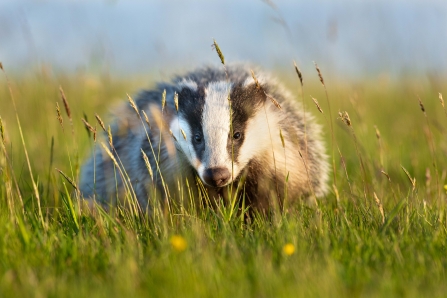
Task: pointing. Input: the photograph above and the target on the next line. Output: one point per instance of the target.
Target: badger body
(223, 126)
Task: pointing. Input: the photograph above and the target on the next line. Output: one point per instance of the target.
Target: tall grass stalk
(432, 149)
(34, 184)
(334, 169)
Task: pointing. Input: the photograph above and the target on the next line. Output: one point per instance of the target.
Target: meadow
(381, 231)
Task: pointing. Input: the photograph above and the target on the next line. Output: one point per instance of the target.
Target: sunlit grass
(381, 231)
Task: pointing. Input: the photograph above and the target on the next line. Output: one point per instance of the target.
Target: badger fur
(221, 125)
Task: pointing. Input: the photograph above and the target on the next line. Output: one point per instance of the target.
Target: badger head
(221, 126)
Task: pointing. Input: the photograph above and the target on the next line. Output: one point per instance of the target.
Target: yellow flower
(178, 243)
(445, 187)
(289, 249)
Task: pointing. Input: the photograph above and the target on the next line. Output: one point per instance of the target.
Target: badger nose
(216, 177)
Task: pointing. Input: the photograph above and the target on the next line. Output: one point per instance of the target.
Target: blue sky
(348, 38)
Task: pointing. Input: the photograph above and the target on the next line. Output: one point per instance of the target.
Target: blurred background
(347, 38)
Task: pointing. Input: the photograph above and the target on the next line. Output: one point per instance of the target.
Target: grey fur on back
(261, 159)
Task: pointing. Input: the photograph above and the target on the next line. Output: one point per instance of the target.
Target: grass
(345, 247)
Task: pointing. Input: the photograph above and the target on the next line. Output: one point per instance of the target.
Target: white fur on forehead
(187, 83)
(216, 123)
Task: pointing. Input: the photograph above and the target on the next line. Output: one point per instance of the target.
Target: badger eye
(198, 138)
(237, 135)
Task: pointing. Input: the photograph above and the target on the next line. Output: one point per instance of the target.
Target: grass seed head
(319, 74)
(380, 206)
(68, 179)
(412, 180)
(176, 101)
(87, 125)
(59, 117)
(109, 136)
(219, 52)
(1, 66)
(109, 153)
(146, 118)
(347, 119)
(86, 119)
(148, 165)
(427, 177)
(132, 104)
(64, 100)
(441, 100)
(282, 138)
(344, 116)
(89, 128)
(183, 133)
(2, 129)
(163, 100)
(101, 123)
(421, 105)
(298, 72)
(172, 135)
(316, 103)
(255, 79)
(274, 101)
(377, 132)
(386, 174)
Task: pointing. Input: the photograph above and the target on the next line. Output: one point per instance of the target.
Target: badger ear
(187, 84)
(248, 97)
(256, 86)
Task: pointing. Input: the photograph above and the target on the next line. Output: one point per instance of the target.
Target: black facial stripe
(191, 107)
(244, 103)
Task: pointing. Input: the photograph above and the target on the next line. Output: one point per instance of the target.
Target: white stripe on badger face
(216, 127)
(185, 146)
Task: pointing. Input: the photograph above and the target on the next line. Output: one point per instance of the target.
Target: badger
(228, 132)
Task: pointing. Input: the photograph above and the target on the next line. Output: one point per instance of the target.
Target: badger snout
(216, 177)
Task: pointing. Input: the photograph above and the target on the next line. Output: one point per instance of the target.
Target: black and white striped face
(219, 144)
